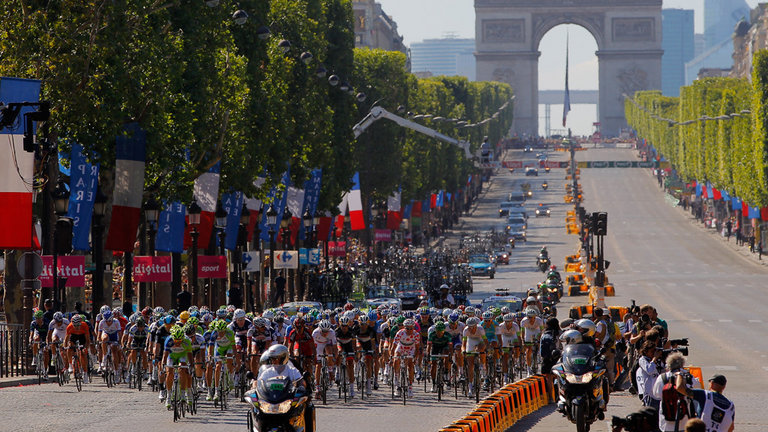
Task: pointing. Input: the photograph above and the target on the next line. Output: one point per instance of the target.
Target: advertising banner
(337, 249)
(71, 267)
(152, 269)
(383, 235)
(212, 266)
(286, 259)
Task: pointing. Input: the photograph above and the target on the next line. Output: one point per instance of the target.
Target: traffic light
(601, 224)
(593, 224)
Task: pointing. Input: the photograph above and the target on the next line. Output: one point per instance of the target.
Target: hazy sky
(427, 19)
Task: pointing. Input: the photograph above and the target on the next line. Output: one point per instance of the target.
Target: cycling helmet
(207, 318)
(169, 319)
(117, 311)
(531, 299)
(177, 333)
(570, 337)
(487, 315)
(158, 310)
(509, 317)
(275, 355)
(146, 311)
(193, 309)
(221, 313)
(586, 327)
(505, 310)
(344, 321)
(173, 312)
(530, 312)
(385, 312)
(349, 306)
(470, 311)
(400, 320)
(106, 308)
(230, 308)
(423, 311)
(132, 319)
(299, 321)
(268, 314)
(221, 325)
(392, 321)
(189, 330)
(409, 323)
(408, 314)
(372, 315)
(473, 321)
(325, 325)
(38, 314)
(454, 317)
(447, 312)
(239, 313)
(140, 321)
(184, 316)
(440, 326)
(260, 322)
(77, 319)
(364, 319)
(445, 287)
(107, 315)
(304, 309)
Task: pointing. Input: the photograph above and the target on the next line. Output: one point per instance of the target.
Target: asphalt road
(705, 290)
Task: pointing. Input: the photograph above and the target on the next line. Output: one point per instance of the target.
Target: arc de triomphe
(628, 35)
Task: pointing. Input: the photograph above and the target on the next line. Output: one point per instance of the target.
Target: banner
(337, 249)
(286, 259)
(170, 228)
(251, 261)
(233, 205)
(212, 266)
(83, 183)
(131, 154)
(309, 256)
(383, 235)
(152, 269)
(278, 200)
(311, 196)
(71, 267)
(206, 194)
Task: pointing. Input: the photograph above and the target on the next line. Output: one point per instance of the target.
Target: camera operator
(643, 420)
(649, 368)
(715, 409)
(675, 363)
(605, 332)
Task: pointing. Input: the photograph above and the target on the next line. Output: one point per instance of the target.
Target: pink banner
(71, 267)
(512, 164)
(212, 266)
(338, 248)
(152, 269)
(383, 235)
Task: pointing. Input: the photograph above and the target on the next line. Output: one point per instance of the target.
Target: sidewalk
(22, 381)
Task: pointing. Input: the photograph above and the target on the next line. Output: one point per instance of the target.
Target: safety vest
(717, 412)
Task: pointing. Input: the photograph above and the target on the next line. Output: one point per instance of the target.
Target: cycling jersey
(473, 338)
(302, 341)
(222, 342)
(111, 329)
(40, 329)
(455, 330)
(323, 340)
(139, 336)
(241, 331)
(366, 337)
(531, 329)
(259, 338)
(77, 334)
(59, 329)
(508, 334)
(406, 343)
(439, 343)
(424, 328)
(490, 329)
(197, 342)
(346, 338)
(177, 352)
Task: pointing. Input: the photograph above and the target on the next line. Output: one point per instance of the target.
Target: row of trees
(716, 131)
(245, 83)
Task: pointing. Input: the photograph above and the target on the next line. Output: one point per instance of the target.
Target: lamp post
(193, 213)
(97, 247)
(60, 207)
(271, 223)
(237, 257)
(260, 276)
(375, 209)
(221, 227)
(285, 232)
(151, 215)
(306, 219)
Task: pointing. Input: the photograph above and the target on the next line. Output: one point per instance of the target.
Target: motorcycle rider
(445, 300)
(274, 362)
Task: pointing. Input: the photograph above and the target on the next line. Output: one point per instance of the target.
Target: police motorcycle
(543, 262)
(545, 185)
(279, 403)
(581, 380)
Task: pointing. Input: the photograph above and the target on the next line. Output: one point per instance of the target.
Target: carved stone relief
(506, 30)
(633, 29)
(631, 79)
(505, 75)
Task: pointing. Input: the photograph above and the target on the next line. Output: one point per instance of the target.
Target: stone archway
(628, 36)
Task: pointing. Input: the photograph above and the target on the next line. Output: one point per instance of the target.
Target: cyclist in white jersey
(474, 342)
(325, 343)
(57, 331)
(109, 333)
(509, 335)
(532, 327)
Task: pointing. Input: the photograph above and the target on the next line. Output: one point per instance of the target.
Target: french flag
(206, 193)
(394, 207)
(254, 208)
(355, 203)
(16, 169)
(131, 154)
(295, 203)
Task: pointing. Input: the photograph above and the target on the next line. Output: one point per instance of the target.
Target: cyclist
(325, 344)
(366, 338)
(302, 344)
(423, 324)
(346, 334)
(490, 327)
(222, 343)
(509, 334)
(110, 332)
(439, 342)
(177, 351)
(455, 328)
(406, 344)
(137, 341)
(77, 332)
(157, 337)
(474, 342)
(532, 327)
(197, 341)
(239, 326)
(38, 331)
(57, 330)
(279, 327)
(260, 337)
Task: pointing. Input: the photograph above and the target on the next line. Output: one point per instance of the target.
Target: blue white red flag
(130, 152)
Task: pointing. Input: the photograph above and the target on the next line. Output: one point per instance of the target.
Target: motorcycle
(581, 384)
(512, 242)
(544, 185)
(546, 169)
(543, 263)
(277, 408)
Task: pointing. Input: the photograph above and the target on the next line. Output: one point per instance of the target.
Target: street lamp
(193, 213)
(307, 220)
(285, 231)
(237, 257)
(60, 207)
(97, 243)
(151, 216)
(271, 223)
(221, 227)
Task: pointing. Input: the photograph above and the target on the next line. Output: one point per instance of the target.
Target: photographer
(673, 414)
(641, 421)
(649, 367)
(715, 409)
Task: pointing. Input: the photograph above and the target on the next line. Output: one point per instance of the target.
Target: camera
(682, 350)
(640, 421)
(683, 342)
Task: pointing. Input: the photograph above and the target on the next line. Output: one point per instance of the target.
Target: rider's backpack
(674, 406)
(547, 344)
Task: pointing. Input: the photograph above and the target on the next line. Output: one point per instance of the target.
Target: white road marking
(697, 320)
(755, 321)
(726, 368)
(689, 284)
(730, 285)
(725, 320)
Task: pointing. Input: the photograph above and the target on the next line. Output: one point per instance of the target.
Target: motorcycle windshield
(275, 390)
(577, 358)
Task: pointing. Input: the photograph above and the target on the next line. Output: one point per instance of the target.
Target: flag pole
(567, 101)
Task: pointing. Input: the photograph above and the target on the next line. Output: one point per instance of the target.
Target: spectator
(715, 409)
(647, 372)
(235, 295)
(728, 228)
(278, 294)
(183, 298)
(675, 364)
(48, 314)
(695, 425)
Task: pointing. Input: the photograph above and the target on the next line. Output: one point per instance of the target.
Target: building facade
(375, 29)
(748, 39)
(679, 47)
(447, 56)
(720, 17)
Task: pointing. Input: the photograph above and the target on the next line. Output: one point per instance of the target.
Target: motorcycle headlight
(579, 379)
(281, 408)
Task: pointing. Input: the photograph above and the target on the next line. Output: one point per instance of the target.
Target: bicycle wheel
(222, 395)
(424, 371)
(439, 380)
(324, 382)
(59, 369)
(455, 372)
(175, 400)
(404, 381)
(477, 381)
(40, 365)
(78, 376)
(139, 372)
(362, 379)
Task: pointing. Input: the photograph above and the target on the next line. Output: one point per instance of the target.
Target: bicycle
(440, 374)
(224, 383)
(178, 403)
(61, 369)
(325, 379)
(41, 369)
(342, 377)
(403, 385)
(108, 371)
(363, 374)
(136, 371)
(241, 386)
(77, 367)
(476, 379)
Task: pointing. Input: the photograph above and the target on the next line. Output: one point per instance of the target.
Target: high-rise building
(698, 43)
(720, 18)
(374, 28)
(447, 56)
(679, 48)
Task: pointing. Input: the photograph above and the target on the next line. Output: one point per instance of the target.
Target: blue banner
(735, 203)
(754, 212)
(170, 228)
(233, 205)
(425, 205)
(311, 197)
(279, 204)
(726, 197)
(407, 211)
(83, 184)
(698, 189)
